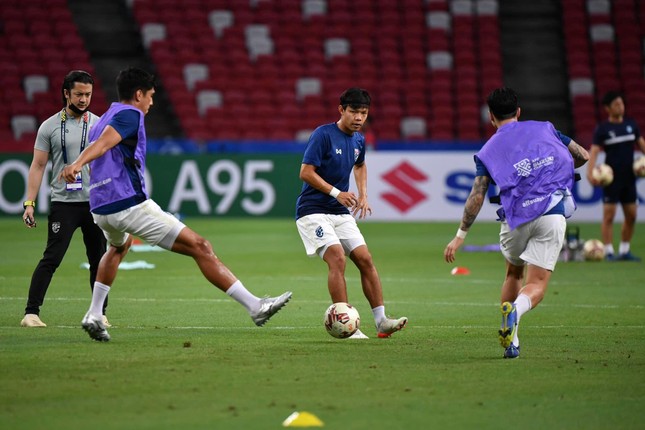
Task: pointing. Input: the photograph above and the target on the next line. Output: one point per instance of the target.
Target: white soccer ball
(639, 167)
(341, 320)
(603, 174)
(593, 250)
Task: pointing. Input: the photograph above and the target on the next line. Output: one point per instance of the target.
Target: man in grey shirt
(61, 138)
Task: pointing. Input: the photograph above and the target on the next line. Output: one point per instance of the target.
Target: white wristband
(334, 192)
(461, 234)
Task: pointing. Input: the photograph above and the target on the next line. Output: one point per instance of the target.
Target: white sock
(522, 306)
(379, 314)
(623, 248)
(243, 296)
(99, 293)
(609, 249)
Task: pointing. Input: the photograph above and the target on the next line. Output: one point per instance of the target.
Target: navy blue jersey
(334, 154)
(126, 123)
(618, 139)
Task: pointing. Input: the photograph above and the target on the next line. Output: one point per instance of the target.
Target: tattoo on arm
(575, 151)
(475, 201)
(579, 154)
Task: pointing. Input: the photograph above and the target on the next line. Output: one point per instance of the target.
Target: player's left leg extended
(373, 291)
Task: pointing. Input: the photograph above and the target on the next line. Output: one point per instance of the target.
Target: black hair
(356, 98)
(610, 96)
(131, 80)
(502, 103)
(71, 78)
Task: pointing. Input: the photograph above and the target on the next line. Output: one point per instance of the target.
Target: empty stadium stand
(604, 51)
(291, 59)
(38, 46)
(273, 69)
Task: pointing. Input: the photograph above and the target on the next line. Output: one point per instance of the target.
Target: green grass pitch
(184, 355)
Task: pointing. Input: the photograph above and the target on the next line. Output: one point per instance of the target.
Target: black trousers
(63, 220)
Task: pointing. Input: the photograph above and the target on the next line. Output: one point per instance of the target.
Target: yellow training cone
(302, 419)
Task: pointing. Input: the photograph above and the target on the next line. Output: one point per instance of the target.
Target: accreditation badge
(77, 185)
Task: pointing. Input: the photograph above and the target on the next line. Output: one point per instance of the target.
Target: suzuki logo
(402, 178)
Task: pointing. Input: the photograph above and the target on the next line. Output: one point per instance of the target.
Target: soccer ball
(593, 250)
(639, 167)
(341, 320)
(603, 174)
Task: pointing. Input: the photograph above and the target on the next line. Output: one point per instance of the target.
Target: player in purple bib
(533, 165)
(122, 208)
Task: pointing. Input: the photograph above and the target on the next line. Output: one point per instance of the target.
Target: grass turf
(184, 355)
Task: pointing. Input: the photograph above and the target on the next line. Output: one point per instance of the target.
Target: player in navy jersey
(323, 208)
(617, 136)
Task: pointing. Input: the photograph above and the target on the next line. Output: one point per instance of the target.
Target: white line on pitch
(414, 327)
(390, 302)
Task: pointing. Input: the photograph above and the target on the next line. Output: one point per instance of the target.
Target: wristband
(334, 192)
(461, 234)
(28, 203)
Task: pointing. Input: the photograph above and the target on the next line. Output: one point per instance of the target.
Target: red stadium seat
(386, 53)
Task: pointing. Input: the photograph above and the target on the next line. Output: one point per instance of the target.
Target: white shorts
(320, 231)
(537, 242)
(145, 220)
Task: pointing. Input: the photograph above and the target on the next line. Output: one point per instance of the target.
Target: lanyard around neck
(63, 120)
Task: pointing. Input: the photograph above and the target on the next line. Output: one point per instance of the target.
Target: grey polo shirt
(48, 139)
